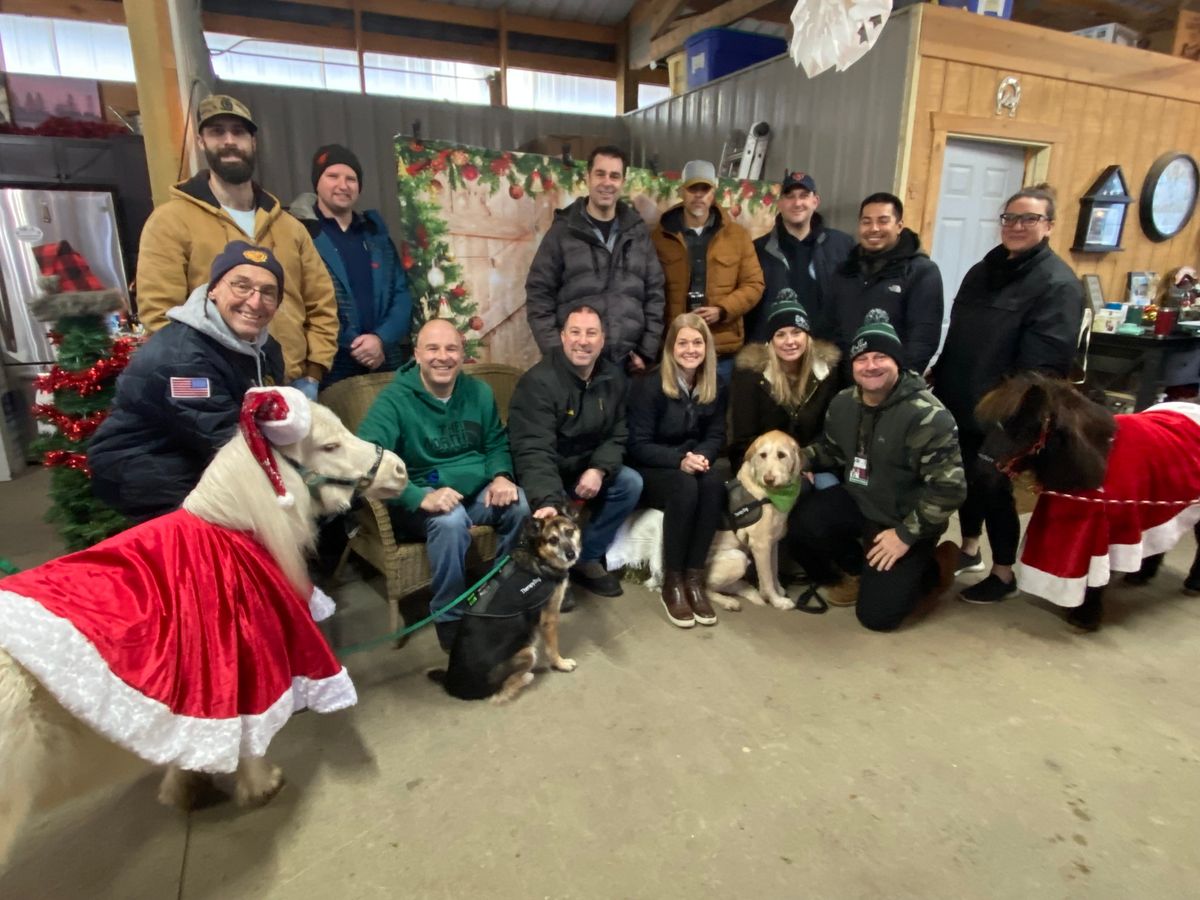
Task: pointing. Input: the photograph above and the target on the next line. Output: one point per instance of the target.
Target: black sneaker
(1191, 586)
(990, 590)
(968, 562)
(592, 576)
(568, 601)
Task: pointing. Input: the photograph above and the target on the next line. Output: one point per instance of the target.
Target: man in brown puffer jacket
(709, 264)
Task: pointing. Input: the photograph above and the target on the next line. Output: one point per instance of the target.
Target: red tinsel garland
(68, 458)
(74, 428)
(88, 381)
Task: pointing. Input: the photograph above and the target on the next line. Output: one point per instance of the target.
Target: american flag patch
(190, 388)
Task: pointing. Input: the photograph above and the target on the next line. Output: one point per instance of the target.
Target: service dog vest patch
(510, 592)
(742, 509)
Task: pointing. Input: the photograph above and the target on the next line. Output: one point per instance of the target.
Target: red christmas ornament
(672, 174)
(500, 165)
(422, 237)
(406, 259)
(458, 292)
(547, 182)
(748, 189)
(768, 199)
(735, 210)
(476, 323)
(516, 192)
(414, 168)
(438, 164)
(470, 172)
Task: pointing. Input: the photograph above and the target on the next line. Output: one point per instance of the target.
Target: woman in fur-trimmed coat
(786, 383)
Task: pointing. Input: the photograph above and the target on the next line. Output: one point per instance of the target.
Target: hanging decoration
(835, 33)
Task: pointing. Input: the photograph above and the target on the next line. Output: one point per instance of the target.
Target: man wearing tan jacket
(222, 204)
(709, 264)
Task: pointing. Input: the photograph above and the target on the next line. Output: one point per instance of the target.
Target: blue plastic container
(997, 9)
(715, 52)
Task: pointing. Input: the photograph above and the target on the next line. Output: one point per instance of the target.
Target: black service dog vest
(512, 591)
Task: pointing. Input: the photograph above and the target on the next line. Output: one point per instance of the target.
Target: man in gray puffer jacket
(598, 253)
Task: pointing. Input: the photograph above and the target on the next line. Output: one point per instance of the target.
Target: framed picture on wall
(1140, 288)
(1095, 291)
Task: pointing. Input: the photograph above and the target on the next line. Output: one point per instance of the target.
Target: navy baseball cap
(797, 180)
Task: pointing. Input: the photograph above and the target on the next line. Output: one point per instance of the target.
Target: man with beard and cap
(222, 204)
(896, 448)
(888, 270)
(800, 253)
(374, 305)
(178, 400)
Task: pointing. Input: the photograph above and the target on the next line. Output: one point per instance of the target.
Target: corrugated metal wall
(295, 122)
(843, 127)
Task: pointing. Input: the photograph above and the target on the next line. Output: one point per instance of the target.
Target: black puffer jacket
(754, 411)
(621, 279)
(153, 447)
(559, 425)
(1009, 316)
(904, 283)
(830, 249)
(662, 429)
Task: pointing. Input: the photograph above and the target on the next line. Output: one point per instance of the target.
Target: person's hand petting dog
(888, 548)
(694, 463)
(441, 500)
(501, 492)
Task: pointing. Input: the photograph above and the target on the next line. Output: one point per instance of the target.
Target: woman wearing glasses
(1018, 308)
(178, 400)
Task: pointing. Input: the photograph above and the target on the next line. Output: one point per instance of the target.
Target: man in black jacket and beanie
(179, 399)
(800, 253)
(888, 270)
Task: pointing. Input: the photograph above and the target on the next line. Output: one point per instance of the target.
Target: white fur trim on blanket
(638, 542)
(1069, 592)
(69, 667)
(320, 604)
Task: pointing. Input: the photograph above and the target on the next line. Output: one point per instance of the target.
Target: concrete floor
(982, 752)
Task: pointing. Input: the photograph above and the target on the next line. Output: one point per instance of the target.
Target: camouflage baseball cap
(224, 105)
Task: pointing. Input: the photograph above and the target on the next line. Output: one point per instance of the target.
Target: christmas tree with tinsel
(82, 382)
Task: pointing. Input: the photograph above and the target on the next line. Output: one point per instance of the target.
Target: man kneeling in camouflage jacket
(897, 449)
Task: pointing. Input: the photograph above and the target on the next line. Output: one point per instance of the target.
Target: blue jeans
(822, 481)
(618, 496)
(448, 537)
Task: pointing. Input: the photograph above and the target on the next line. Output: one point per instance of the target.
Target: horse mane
(1079, 436)
(235, 493)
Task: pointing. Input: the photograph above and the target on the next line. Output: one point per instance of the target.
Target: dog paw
(565, 665)
(782, 602)
(755, 597)
(730, 604)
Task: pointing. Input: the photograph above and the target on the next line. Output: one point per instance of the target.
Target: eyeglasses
(244, 290)
(1025, 220)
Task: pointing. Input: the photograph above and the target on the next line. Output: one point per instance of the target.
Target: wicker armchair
(405, 566)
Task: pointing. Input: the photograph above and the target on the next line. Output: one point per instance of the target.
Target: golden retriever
(771, 462)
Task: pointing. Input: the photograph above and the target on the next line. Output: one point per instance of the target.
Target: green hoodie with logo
(460, 443)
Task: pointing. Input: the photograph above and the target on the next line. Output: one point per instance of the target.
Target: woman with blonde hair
(676, 429)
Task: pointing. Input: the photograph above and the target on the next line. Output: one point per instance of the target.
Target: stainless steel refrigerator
(29, 218)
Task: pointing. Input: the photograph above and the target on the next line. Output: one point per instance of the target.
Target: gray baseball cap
(699, 171)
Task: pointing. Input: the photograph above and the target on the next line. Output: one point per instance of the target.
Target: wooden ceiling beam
(726, 13)
(105, 11)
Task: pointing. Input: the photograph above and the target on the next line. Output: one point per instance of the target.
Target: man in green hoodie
(446, 427)
(897, 448)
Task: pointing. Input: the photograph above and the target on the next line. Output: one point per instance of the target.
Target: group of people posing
(805, 330)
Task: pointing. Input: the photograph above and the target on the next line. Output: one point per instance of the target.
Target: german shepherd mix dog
(495, 649)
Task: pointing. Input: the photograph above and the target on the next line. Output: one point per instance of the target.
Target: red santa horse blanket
(181, 641)
(1150, 498)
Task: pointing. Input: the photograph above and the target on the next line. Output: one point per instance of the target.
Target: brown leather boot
(693, 590)
(674, 601)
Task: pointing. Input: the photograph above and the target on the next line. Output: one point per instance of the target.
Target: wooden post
(163, 126)
(503, 57)
(627, 78)
(358, 47)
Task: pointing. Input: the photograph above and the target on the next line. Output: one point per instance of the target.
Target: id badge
(860, 471)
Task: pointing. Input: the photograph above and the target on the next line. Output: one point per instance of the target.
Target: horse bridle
(314, 481)
(1009, 466)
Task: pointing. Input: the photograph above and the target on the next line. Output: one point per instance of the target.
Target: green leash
(404, 632)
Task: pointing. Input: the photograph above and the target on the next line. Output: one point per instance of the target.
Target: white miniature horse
(226, 606)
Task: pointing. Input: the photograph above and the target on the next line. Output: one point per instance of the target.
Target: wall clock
(1168, 196)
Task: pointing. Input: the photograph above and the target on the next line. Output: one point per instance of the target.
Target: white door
(977, 177)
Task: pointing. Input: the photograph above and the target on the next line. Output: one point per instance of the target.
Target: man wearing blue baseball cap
(178, 400)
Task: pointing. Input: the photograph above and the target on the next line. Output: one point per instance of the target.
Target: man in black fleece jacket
(888, 270)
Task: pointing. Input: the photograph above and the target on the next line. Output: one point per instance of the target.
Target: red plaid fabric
(73, 271)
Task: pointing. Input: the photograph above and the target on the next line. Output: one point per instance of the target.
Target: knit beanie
(786, 311)
(243, 253)
(876, 336)
(333, 155)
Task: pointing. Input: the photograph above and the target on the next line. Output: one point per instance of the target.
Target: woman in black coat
(676, 429)
(1019, 308)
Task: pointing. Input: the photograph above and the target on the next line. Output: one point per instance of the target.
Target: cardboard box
(1111, 33)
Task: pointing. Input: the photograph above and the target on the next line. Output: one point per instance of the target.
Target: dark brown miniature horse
(1044, 426)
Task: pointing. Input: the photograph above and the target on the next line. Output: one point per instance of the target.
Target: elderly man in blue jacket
(374, 305)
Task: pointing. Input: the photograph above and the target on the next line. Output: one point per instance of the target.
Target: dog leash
(404, 632)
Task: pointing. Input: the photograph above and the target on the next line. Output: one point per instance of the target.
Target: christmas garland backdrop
(428, 170)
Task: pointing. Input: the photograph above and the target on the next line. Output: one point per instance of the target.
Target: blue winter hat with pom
(876, 336)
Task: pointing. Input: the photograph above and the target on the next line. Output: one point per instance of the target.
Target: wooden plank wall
(1092, 104)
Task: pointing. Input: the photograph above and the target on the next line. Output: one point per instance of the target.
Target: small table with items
(1116, 356)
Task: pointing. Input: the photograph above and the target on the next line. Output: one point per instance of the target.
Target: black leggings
(692, 506)
(827, 525)
(989, 500)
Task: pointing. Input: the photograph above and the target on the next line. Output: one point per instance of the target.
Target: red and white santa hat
(280, 416)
